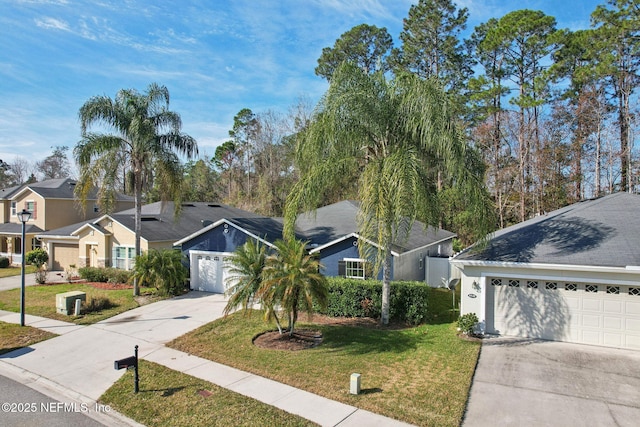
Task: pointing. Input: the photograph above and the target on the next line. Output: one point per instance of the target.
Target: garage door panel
(598, 314)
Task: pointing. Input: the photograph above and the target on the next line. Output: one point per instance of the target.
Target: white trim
(348, 236)
(217, 224)
(423, 248)
(539, 266)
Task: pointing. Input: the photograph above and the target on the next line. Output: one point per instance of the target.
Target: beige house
(52, 205)
(109, 241)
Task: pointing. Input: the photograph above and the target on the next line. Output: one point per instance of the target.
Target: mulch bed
(307, 338)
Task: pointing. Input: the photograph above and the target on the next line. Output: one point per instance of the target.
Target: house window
(14, 208)
(124, 257)
(353, 268)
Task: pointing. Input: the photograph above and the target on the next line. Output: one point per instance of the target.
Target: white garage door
(207, 271)
(587, 313)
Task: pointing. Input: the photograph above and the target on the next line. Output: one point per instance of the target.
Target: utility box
(65, 302)
(354, 384)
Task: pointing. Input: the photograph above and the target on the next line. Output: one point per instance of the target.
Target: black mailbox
(130, 363)
(126, 363)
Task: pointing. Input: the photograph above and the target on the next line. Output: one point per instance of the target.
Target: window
(514, 283)
(123, 257)
(591, 288)
(30, 205)
(496, 282)
(532, 284)
(613, 290)
(354, 268)
(551, 286)
(634, 291)
(14, 208)
(570, 287)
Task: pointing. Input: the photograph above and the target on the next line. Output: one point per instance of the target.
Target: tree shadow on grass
(354, 340)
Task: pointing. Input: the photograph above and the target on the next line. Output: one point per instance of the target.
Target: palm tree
(400, 140)
(146, 137)
(292, 280)
(163, 269)
(245, 267)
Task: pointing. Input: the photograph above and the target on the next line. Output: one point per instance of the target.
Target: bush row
(104, 274)
(363, 298)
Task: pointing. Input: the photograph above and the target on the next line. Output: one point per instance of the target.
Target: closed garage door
(207, 271)
(587, 313)
(63, 255)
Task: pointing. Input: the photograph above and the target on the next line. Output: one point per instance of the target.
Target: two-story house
(52, 205)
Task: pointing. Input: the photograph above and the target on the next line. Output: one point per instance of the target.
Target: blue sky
(216, 57)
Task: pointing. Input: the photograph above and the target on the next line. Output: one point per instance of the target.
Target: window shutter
(342, 271)
(34, 214)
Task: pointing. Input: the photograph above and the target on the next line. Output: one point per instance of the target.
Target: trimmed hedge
(4, 262)
(363, 298)
(104, 274)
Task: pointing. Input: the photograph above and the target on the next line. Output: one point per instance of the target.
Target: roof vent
(205, 223)
(213, 205)
(148, 218)
(188, 205)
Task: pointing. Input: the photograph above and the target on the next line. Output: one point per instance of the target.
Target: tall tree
(366, 46)
(200, 181)
(55, 165)
(244, 133)
(431, 46)
(618, 60)
(526, 37)
(395, 137)
(145, 133)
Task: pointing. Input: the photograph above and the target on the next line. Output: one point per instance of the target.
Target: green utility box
(66, 302)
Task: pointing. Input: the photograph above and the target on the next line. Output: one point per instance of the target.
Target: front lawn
(40, 300)
(13, 337)
(170, 398)
(419, 375)
(14, 271)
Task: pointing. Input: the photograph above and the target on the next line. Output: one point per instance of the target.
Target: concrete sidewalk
(79, 363)
(14, 282)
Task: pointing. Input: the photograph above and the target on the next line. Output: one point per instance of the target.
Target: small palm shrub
(163, 270)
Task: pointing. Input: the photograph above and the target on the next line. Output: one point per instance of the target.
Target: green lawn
(420, 375)
(170, 398)
(40, 300)
(14, 271)
(13, 337)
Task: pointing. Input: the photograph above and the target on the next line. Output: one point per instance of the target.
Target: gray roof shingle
(600, 232)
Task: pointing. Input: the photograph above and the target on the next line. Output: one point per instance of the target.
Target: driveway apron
(520, 382)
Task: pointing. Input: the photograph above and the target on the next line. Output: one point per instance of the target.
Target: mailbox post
(130, 363)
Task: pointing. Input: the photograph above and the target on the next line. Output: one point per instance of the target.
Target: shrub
(163, 269)
(363, 298)
(467, 323)
(37, 257)
(104, 274)
(4, 262)
(96, 304)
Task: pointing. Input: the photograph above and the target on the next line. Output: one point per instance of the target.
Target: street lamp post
(23, 217)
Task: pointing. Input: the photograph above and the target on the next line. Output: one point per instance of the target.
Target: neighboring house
(570, 275)
(110, 239)
(332, 234)
(52, 205)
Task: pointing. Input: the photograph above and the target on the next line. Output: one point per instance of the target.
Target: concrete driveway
(520, 382)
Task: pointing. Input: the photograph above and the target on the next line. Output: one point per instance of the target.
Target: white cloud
(52, 24)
